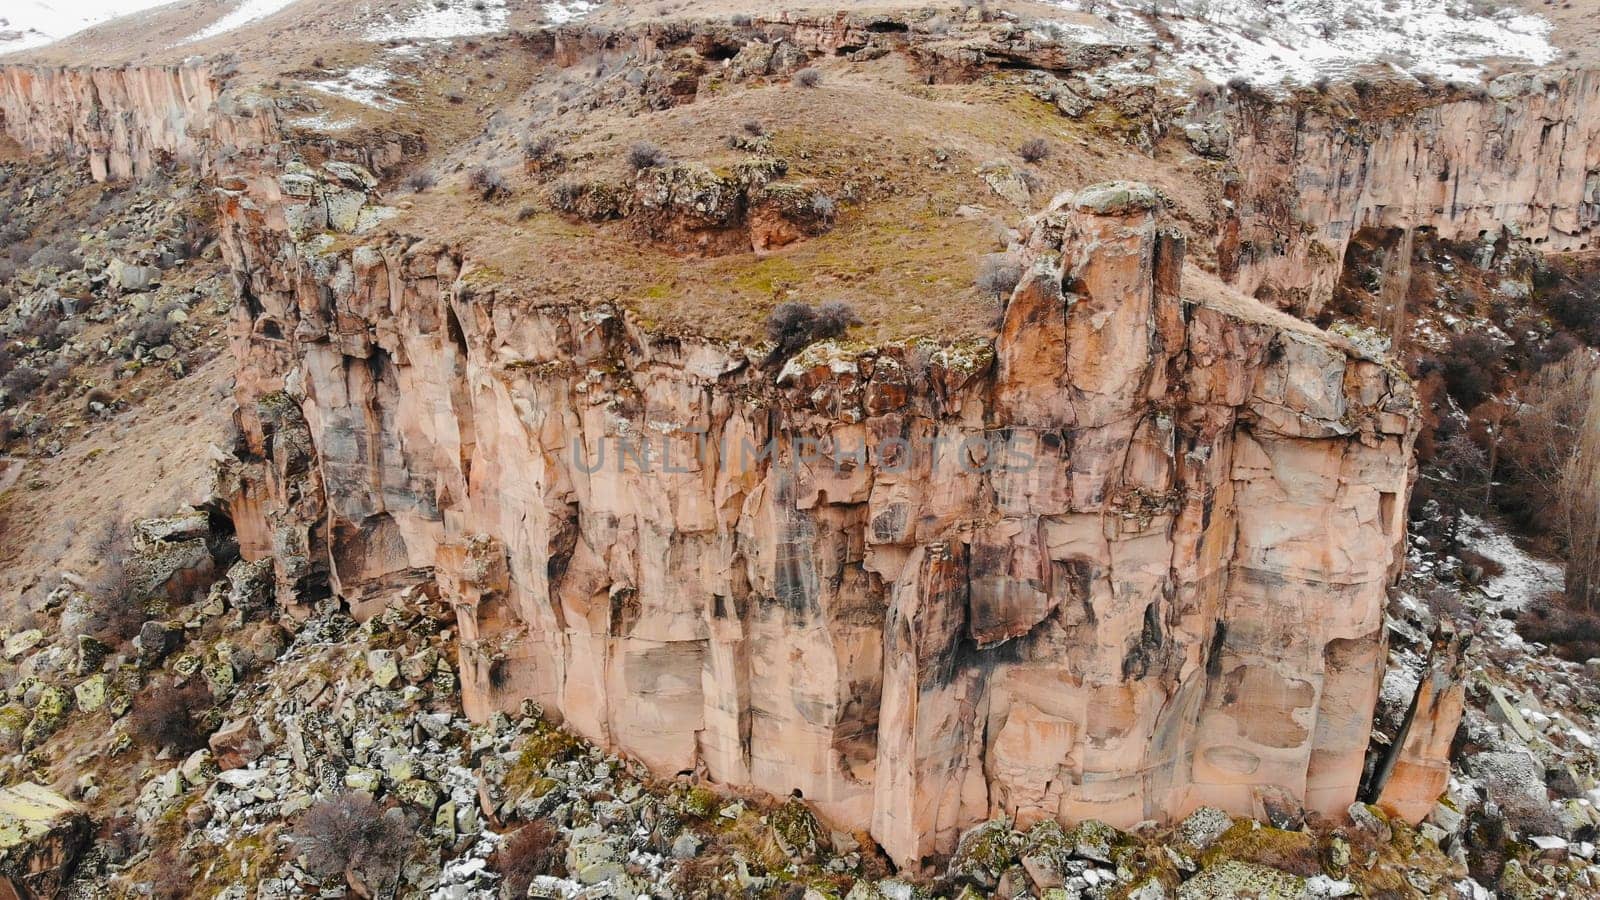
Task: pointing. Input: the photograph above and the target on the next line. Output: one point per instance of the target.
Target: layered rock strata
(126, 121)
(1523, 157)
(1128, 561)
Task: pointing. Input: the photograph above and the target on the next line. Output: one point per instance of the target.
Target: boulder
(42, 835)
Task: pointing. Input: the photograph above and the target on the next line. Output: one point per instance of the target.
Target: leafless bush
(791, 326)
(154, 328)
(533, 850)
(808, 77)
(998, 274)
(488, 184)
(419, 181)
(538, 147)
(352, 835)
(22, 381)
(1034, 150)
(527, 212)
(645, 155)
(1571, 632)
(170, 718)
(753, 127)
(565, 195)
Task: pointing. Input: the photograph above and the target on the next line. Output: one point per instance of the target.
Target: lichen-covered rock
(23, 641)
(14, 719)
(797, 831)
(49, 714)
(91, 655)
(42, 835)
(1232, 879)
(90, 693)
(1201, 828)
(984, 853)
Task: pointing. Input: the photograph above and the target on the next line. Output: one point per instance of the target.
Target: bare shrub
(791, 326)
(1573, 633)
(565, 195)
(22, 381)
(533, 850)
(420, 181)
(351, 835)
(1466, 365)
(538, 147)
(153, 329)
(170, 718)
(808, 77)
(488, 184)
(645, 155)
(527, 212)
(998, 274)
(1034, 150)
(753, 127)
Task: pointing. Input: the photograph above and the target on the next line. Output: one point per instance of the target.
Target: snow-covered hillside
(34, 23)
(1300, 41)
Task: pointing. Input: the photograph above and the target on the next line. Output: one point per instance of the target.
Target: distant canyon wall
(125, 121)
(1524, 157)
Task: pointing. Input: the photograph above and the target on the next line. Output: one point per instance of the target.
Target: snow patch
(560, 13)
(440, 19)
(25, 24)
(246, 12)
(1525, 578)
(366, 85)
(1302, 40)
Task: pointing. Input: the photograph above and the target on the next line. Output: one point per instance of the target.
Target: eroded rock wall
(1127, 561)
(1524, 157)
(129, 120)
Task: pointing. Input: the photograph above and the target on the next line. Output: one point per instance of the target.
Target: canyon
(1127, 559)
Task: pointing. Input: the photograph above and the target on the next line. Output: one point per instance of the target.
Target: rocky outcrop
(1524, 157)
(42, 835)
(1127, 562)
(1417, 770)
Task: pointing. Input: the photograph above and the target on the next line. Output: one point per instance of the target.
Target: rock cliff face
(126, 120)
(1525, 157)
(1129, 561)
(1126, 561)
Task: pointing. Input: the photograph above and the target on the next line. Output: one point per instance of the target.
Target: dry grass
(900, 156)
